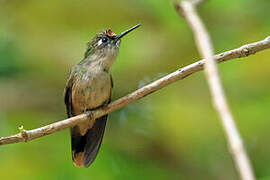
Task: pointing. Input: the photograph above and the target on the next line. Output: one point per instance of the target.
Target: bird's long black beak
(127, 31)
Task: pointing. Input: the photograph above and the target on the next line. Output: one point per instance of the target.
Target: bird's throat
(101, 61)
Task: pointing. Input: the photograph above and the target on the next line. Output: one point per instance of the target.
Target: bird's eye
(104, 40)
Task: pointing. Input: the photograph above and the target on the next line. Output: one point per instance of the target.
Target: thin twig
(203, 41)
(242, 51)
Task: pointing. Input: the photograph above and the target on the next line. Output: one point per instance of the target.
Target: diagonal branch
(29, 135)
(188, 11)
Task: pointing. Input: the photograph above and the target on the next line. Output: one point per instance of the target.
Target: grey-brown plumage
(89, 87)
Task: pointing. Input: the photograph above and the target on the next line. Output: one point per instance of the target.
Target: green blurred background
(172, 134)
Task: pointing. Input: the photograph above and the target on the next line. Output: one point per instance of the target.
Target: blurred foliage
(171, 134)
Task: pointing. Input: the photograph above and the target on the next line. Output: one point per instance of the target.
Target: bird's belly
(91, 92)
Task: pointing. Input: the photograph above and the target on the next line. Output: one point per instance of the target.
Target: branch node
(23, 133)
(179, 8)
(246, 51)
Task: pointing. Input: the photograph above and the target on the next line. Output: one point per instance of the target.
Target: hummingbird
(89, 87)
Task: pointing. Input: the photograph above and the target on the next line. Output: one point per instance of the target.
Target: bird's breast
(91, 91)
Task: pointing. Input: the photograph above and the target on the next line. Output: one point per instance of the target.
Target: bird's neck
(100, 61)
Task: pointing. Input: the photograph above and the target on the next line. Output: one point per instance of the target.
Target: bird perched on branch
(89, 87)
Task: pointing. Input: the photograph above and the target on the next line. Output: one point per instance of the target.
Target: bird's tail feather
(85, 148)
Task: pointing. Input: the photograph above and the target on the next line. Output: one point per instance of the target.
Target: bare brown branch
(243, 51)
(188, 11)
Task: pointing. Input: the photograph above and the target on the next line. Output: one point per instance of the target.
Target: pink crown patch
(110, 33)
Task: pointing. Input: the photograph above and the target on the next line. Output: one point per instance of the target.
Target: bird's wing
(68, 93)
(111, 82)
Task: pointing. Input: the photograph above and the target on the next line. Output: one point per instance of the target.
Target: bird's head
(106, 43)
